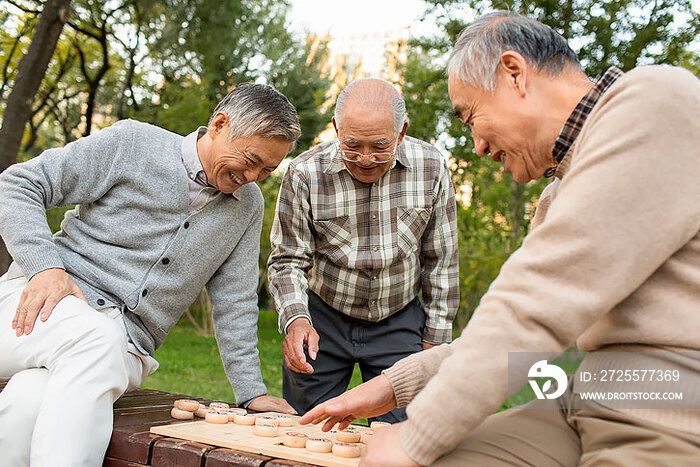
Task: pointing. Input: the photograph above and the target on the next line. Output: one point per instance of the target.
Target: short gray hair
(261, 110)
(478, 49)
(398, 105)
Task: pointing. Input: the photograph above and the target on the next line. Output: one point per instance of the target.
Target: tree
(299, 75)
(95, 27)
(57, 90)
(30, 72)
(12, 45)
(624, 33)
(206, 47)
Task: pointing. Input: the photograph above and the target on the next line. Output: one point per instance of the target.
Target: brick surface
(112, 462)
(171, 452)
(132, 443)
(286, 463)
(222, 457)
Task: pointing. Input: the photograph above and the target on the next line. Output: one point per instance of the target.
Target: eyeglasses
(375, 157)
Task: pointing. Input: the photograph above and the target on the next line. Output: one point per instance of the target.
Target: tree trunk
(30, 72)
(4, 258)
(94, 83)
(121, 112)
(202, 320)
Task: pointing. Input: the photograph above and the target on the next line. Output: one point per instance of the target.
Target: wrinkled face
(505, 126)
(367, 131)
(230, 164)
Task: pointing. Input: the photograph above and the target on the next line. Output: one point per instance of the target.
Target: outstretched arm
(370, 399)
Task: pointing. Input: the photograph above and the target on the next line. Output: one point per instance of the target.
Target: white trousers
(56, 410)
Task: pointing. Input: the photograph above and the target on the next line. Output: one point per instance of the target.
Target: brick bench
(132, 445)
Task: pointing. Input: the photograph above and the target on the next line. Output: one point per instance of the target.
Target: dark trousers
(345, 341)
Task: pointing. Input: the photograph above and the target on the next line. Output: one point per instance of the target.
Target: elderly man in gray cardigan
(158, 216)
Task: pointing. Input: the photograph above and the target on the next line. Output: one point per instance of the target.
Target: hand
(271, 404)
(300, 332)
(384, 449)
(42, 293)
(370, 399)
(427, 345)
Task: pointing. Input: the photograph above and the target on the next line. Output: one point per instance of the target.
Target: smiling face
(230, 164)
(367, 130)
(508, 125)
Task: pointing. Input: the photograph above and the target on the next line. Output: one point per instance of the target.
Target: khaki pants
(557, 436)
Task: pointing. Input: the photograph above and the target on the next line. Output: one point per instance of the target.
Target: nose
(481, 146)
(364, 161)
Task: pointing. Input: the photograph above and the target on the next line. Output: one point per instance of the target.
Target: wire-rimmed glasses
(374, 157)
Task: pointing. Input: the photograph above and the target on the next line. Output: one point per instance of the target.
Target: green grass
(190, 363)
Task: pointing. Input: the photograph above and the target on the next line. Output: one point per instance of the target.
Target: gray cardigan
(131, 241)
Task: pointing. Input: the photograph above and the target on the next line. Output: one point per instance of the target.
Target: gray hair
(398, 105)
(261, 110)
(478, 49)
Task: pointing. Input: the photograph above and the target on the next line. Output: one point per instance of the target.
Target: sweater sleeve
(233, 292)
(81, 172)
(630, 200)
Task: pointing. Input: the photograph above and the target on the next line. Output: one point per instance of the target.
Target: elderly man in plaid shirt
(364, 223)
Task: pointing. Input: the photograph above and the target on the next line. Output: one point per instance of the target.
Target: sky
(340, 17)
(357, 16)
(361, 30)
(344, 19)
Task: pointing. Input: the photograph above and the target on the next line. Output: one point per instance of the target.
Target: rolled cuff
(252, 391)
(290, 313)
(294, 318)
(403, 381)
(437, 335)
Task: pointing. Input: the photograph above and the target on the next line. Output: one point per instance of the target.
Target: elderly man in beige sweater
(612, 264)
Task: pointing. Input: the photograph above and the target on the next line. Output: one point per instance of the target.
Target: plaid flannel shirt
(367, 249)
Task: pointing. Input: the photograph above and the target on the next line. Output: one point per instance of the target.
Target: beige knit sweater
(616, 260)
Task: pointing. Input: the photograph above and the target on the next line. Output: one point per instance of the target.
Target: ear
(335, 125)
(515, 71)
(218, 124)
(403, 133)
